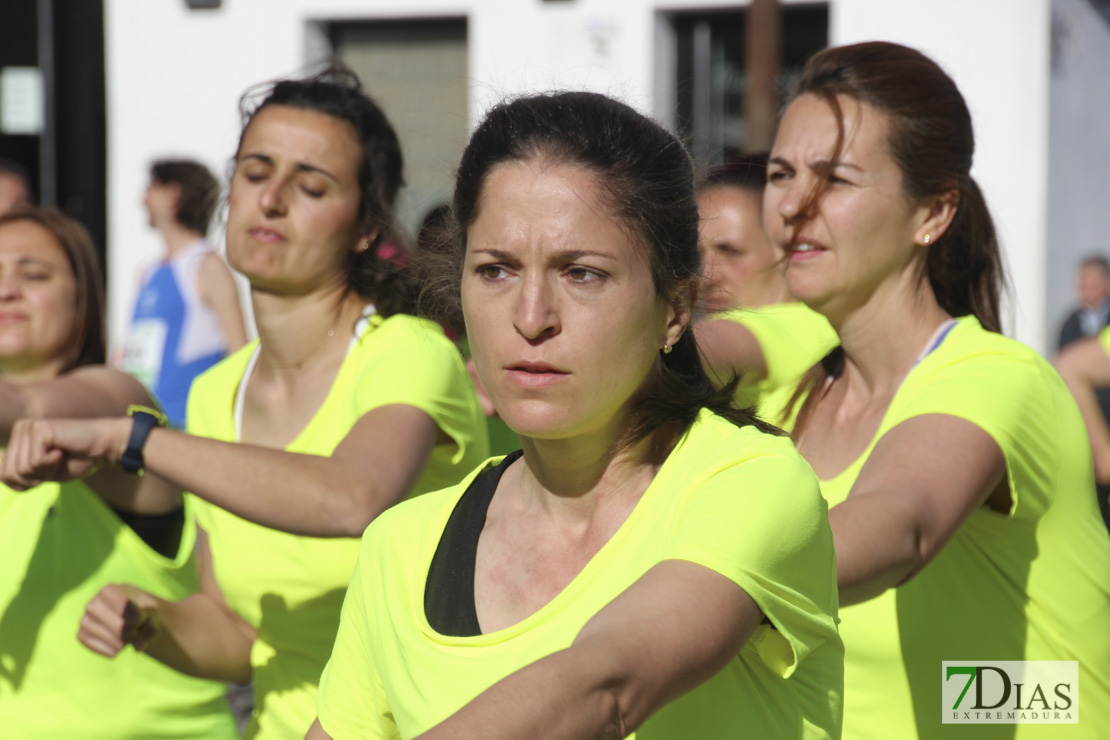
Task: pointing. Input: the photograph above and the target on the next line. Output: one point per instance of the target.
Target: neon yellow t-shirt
(793, 338)
(1033, 585)
(59, 545)
(736, 501)
(290, 588)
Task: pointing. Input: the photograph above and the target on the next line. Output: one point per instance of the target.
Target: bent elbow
(358, 507)
(617, 724)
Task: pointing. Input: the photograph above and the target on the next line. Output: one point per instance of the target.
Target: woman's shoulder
(997, 383)
(714, 446)
(406, 335)
(714, 436)
(982, 359)
(426, 513)
(404, 323)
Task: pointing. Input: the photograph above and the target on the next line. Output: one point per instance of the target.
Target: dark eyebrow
(826, 164)
(299, 166)
(568, 255)
(817, 165)
(28, 260)
(497, 254)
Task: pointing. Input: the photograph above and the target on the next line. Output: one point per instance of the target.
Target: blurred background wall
(1033, 72)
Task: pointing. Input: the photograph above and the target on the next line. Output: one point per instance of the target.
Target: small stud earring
(927, 239)
(667, 349)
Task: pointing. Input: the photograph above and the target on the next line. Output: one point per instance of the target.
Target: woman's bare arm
(378, 461)
(86, 392)
(217, 288)
(198, 636)
(1085, 367)
(728, 349)
(669, 632)
(924, 478)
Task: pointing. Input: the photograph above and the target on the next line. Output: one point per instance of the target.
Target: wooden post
(763, 61)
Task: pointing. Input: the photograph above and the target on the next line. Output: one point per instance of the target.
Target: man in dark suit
(1094, 295)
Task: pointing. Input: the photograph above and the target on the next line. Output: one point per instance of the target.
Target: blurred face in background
(1094, 285)
(13, 193)
(160, 200)
(738, 261)
(38, 302)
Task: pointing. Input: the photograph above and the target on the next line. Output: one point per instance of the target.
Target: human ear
(937, 212)
(366, 240)
(680, 309)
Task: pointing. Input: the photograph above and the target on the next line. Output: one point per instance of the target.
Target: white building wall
(997, 51)
(1079, 167)
(174, 77)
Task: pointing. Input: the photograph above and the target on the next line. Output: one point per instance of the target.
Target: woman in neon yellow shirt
(961, 493)
(345, 405)
(60, 544)
(655, 561)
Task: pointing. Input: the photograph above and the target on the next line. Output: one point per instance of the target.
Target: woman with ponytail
(651, 540)
(961, 491)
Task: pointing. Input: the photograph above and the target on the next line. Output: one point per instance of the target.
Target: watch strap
(143, 420)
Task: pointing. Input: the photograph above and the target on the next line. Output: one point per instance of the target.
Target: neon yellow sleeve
(417, 365)
(763, 524)
(792, 336)
(351, 702)
(1008, 396)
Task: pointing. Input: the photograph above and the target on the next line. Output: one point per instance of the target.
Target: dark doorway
(711, 78)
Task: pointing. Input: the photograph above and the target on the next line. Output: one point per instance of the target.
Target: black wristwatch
(143, 419)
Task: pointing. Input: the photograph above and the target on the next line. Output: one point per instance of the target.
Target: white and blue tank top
(175, 335)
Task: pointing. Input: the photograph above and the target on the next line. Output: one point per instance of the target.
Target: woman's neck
(774, 289)
(572, 478)
(884, 338)
(297, 331)
(21, 371)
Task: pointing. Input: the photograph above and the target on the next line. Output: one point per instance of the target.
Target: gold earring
(927, 239)
(667, 349)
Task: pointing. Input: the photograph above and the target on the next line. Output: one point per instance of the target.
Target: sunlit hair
(86, 344)
(379, 274)
(646, 179)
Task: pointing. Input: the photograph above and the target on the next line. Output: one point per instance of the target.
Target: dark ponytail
(965, 265)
